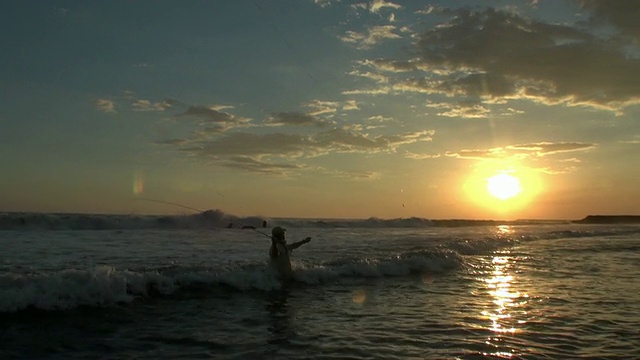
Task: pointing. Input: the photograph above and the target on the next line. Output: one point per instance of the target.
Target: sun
(503, 186)
(502, 190)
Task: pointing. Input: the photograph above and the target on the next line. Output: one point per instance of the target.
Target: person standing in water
(280, 252)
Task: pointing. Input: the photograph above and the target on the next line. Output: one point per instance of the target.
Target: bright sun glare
(503, 186)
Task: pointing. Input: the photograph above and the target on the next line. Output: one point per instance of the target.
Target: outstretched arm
(296, 245)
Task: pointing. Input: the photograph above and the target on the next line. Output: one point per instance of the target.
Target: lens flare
(138, 182)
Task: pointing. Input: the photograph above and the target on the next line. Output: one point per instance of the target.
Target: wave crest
(106, 285)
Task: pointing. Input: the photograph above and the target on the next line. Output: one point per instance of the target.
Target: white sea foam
(106, 285)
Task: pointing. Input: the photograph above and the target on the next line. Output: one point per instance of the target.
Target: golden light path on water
(503, 315)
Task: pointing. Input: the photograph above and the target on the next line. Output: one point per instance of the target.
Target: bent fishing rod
(194, 209)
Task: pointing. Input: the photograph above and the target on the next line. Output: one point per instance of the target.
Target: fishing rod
(261, 233)
(170, 203)
(194, 209)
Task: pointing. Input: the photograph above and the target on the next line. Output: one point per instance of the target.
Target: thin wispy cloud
(372, 91)
(295, 119)
(257, 165)
(371, 37)
(325, 3)
(390, 65)
(523, 152)
(206, 115)
(146, 105)
(292, 147)
(105, 105)
(416, 156)
(377, 77)
(473, 111)
(319, 107)
(633, 141)
(376, 5)
(549, 148)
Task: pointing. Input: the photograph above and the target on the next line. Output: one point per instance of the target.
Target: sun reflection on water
(505, 315)
(504, 230)
(499, 285)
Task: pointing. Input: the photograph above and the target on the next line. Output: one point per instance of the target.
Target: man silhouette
(280, 252)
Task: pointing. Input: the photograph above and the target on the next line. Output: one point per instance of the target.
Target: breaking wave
(106, 285)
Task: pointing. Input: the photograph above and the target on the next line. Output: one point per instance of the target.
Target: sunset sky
(324, 109)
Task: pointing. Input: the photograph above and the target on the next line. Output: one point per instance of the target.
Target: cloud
(207, 114)
(415, 156)
(374, 91)
(376, 5)
(146, 105)
(259, 165)
(213, 115)
(322, 107)
(356, 175)
(511, 111)
(324, 3)
(340, 140)
(375, 122)
(469, 86)
(428, 10)
(394, 66)
(226, 147)
(248, 144)
(350, 105)
(558, 170)
(105, 105)
(256, 165)
(465, 111)
(294, 118)
(478, 84)
(623, 15)
(549, 148)
(633, 141)
(379, 78)
(522, 151)
(209, 131)
(372, 37)
(380, 118)
(478, 154)
(319, 114)
(496, 54)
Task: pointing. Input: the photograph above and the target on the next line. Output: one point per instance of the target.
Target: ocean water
(97, 287)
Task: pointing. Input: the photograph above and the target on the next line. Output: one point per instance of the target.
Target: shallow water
(527, 292)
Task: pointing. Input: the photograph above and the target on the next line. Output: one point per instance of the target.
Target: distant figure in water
(280, 252)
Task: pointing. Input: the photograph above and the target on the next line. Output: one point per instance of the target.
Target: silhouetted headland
(610, 219)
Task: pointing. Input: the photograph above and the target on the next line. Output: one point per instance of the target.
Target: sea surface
(100, 287)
